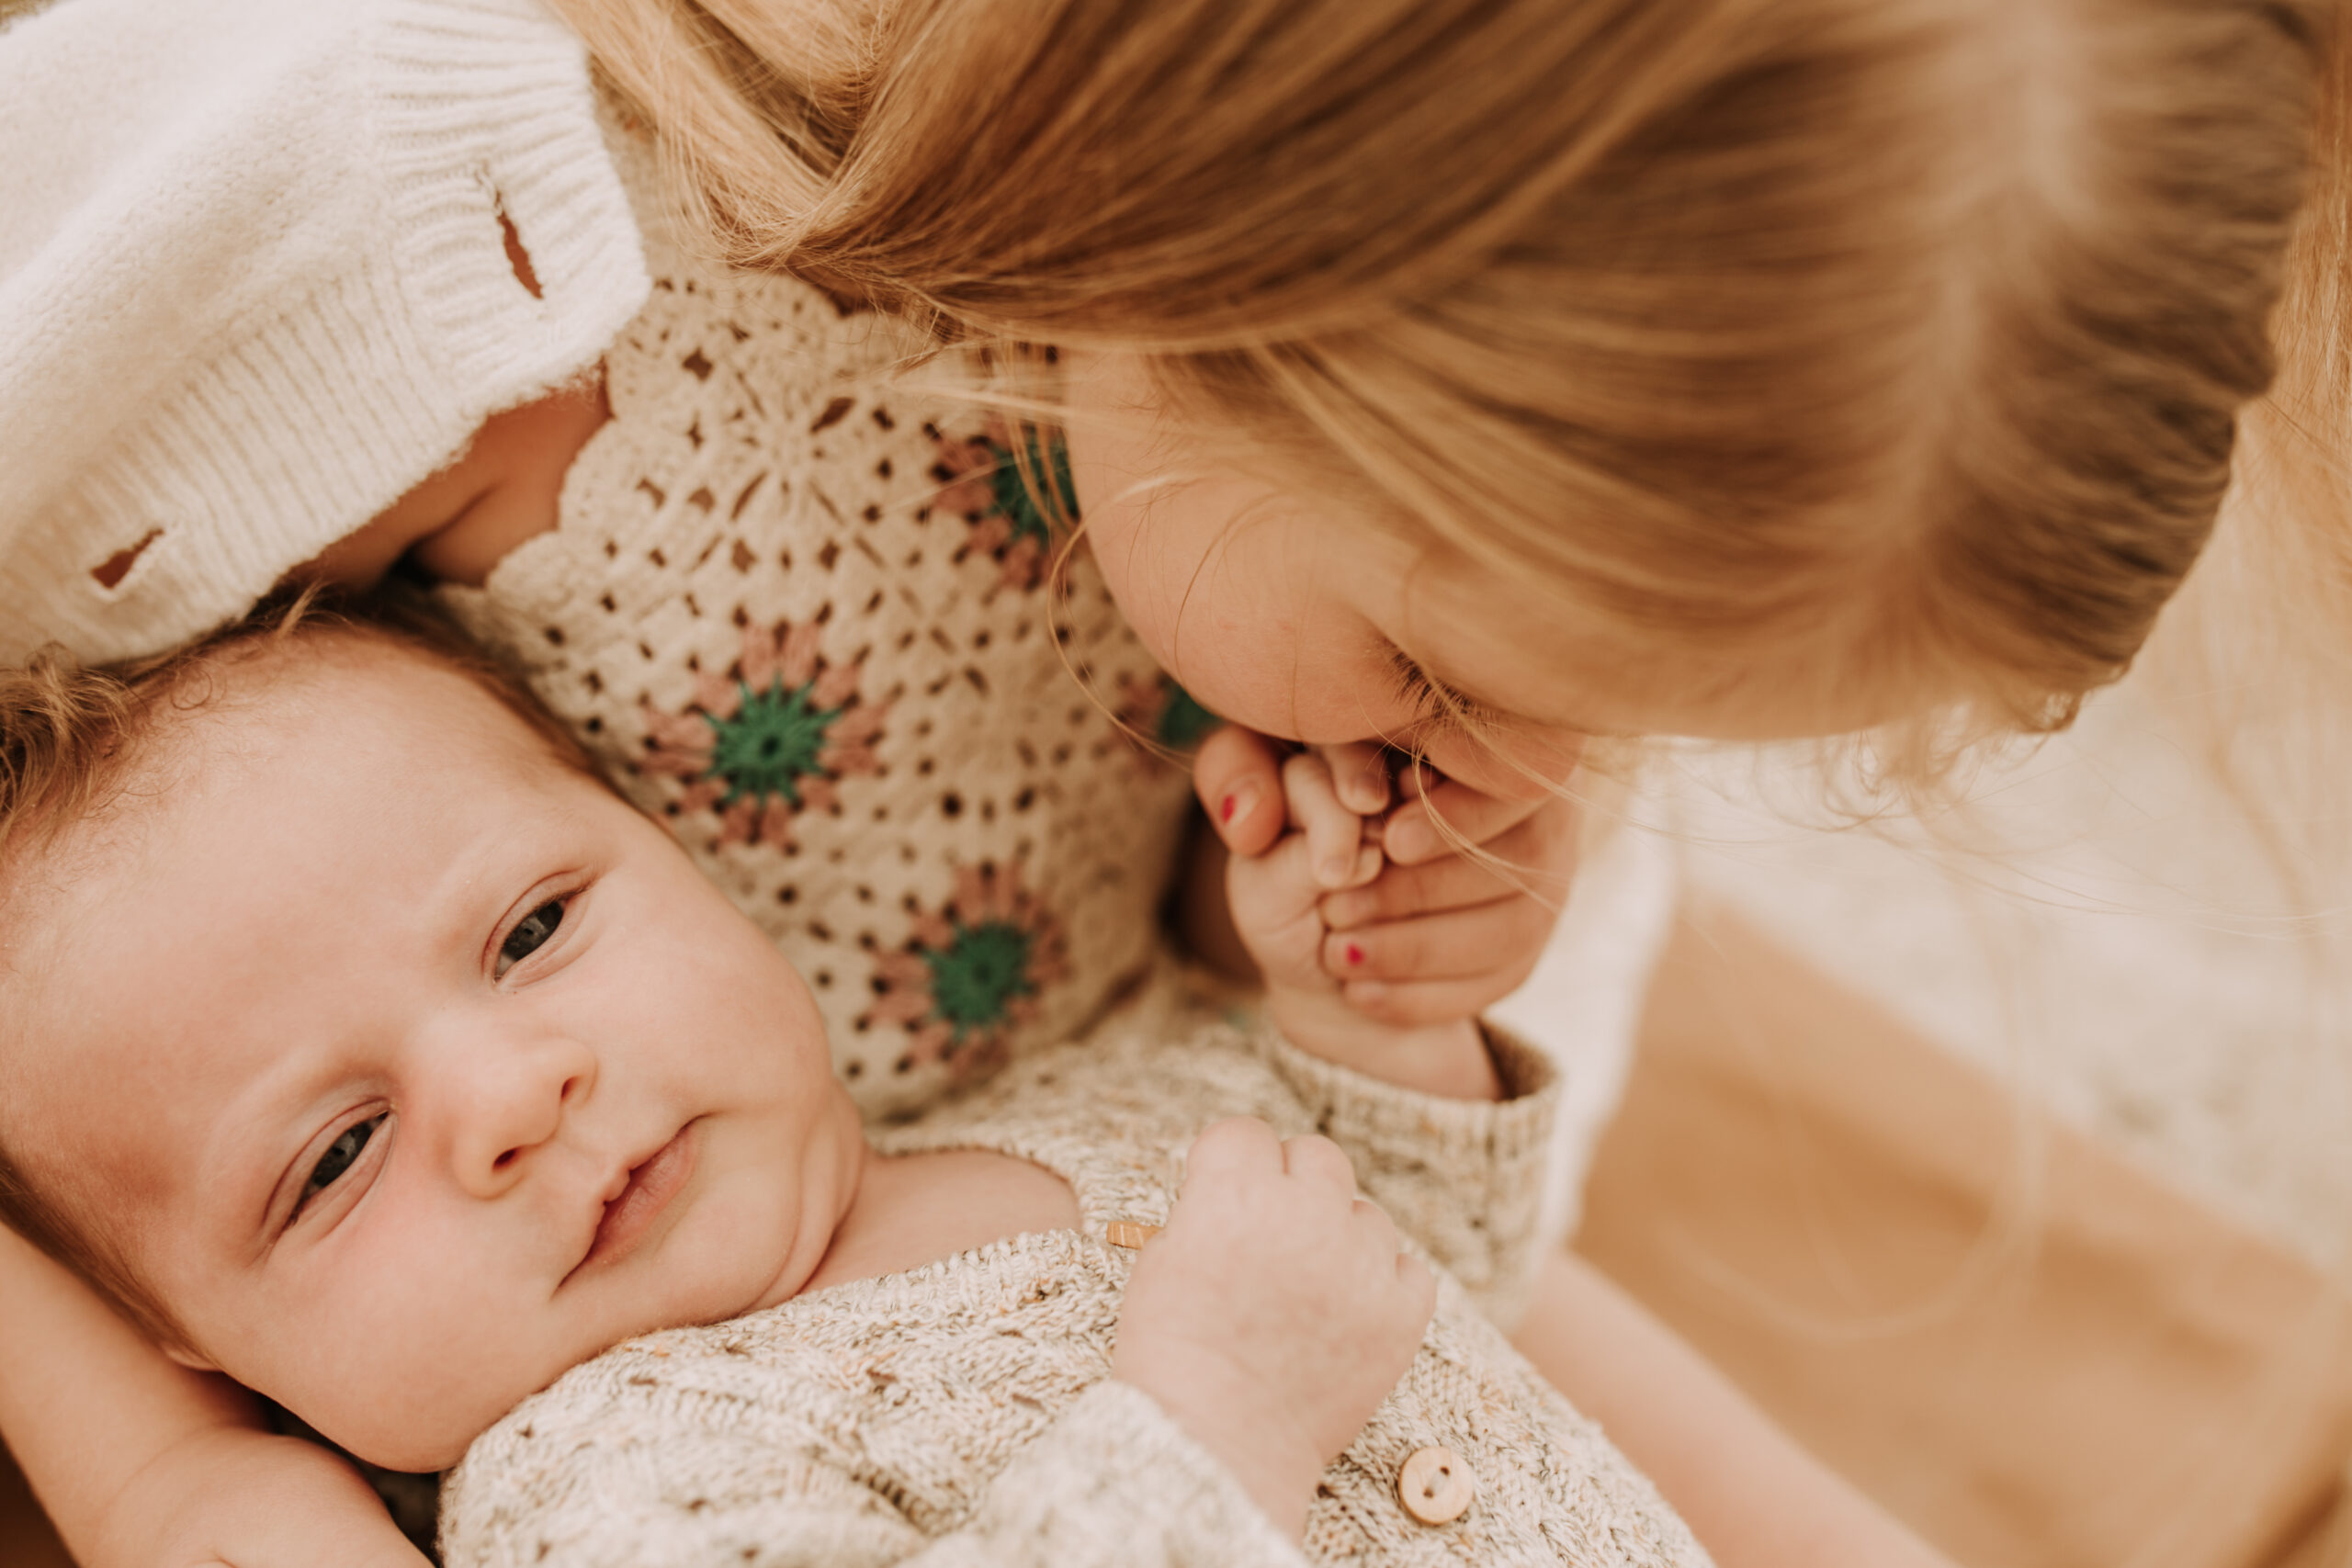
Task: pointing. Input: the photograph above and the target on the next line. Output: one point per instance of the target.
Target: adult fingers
(1455, 945)
(1238, 775)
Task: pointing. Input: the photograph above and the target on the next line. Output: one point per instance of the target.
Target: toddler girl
(384, 1059)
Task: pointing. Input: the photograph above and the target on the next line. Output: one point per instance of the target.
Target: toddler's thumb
(1238, 775)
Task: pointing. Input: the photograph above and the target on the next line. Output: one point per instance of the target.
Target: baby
(362, 1044)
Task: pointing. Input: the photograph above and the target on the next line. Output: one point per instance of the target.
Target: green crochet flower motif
(1184, 722)
(773, 741)
(981, 479)
(770, 739)
(1162, 718)
(977, 978)
(970, 974)
(1049, 459)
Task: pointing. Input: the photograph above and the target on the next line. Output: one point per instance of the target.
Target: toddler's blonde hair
(1909, 332)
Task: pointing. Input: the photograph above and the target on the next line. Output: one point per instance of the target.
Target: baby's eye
(529, 935)
(340, 1156)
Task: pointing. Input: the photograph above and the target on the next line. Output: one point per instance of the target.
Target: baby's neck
(916, 1209)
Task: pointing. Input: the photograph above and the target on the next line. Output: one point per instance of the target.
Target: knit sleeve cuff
(1116, 1482)
(370, 318)
(488, 123)
(1464, 1178)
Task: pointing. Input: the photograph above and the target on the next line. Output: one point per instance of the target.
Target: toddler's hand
(1435, 935)
(1274, 1313)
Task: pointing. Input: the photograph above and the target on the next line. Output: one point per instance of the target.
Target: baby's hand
(1275, 1312)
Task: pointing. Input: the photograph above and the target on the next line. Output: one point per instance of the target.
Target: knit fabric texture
(802, 611)
(961, 1412)
(254, 284)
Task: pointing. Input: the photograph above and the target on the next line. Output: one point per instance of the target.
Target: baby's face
(411, 1068)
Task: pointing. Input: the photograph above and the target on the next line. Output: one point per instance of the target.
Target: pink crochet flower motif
(971, 975)
(981, 480)
(768, 738)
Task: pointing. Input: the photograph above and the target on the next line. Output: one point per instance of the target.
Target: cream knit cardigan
(961, 1413)
(253, 284)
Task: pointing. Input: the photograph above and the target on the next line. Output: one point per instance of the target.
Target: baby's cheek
(402, 1356)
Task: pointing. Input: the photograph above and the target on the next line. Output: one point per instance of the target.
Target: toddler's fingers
(1528, 864)
(1238, 775)
(1467, 816)
(1411, 1004)
(1333, 832)
(1360, 774)
(1455, 945)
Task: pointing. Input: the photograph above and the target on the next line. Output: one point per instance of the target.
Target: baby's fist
(1274, 1313)
(1275, 897)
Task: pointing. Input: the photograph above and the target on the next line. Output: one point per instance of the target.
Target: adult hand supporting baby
(1274, 1313)
(1440, 933)
(170, 1468)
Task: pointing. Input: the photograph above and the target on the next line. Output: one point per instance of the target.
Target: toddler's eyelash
(1430, 698)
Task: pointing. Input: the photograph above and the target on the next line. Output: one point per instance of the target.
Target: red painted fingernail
(1354, 953)
(1225, 812)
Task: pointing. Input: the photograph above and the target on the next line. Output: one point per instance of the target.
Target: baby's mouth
(631, 1211)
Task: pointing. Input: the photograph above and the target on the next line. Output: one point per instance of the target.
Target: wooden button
(1435, 1486)
(1128, 1233)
